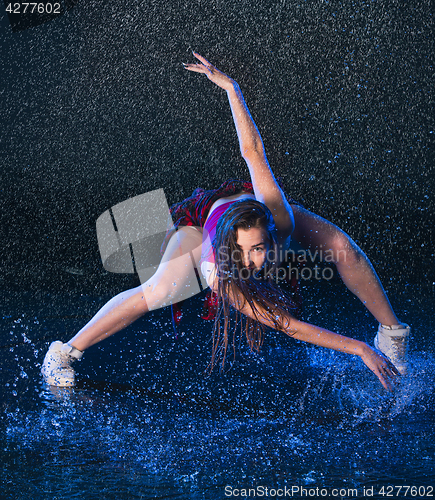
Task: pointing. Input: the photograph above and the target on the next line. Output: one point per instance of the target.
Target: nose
(247, 259)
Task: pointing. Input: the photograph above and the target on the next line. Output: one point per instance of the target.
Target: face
(254, 245)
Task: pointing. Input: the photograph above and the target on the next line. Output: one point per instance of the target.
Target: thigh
(176, 277)
(315, 233)
(187, 239)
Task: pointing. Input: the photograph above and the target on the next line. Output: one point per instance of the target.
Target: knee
(157, 295)
(138, 301)
(344, 250)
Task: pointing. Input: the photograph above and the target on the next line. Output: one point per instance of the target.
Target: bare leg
(173, 275)
(315, 233)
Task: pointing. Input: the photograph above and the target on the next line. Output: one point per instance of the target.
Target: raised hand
(211, 72)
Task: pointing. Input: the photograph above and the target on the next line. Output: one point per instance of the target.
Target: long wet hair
(239, 286)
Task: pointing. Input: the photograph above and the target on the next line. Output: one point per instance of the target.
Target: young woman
(237, 235)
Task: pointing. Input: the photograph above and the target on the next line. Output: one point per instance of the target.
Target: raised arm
(266, 188)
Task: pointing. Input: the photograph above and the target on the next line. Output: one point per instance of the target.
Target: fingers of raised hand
(211, 72)
(197, 68)
(204, 61)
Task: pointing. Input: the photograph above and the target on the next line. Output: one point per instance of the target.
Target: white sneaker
(56, 368)
(393, 341)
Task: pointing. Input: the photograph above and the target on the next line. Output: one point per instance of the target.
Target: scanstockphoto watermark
(293, 492)
(384, 491)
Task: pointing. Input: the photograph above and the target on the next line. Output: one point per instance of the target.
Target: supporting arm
(374, 360)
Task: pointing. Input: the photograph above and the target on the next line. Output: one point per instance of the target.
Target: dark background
(97, 108)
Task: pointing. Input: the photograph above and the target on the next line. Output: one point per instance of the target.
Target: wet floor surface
(144, 421)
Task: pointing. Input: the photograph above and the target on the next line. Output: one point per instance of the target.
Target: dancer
(237, 236)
